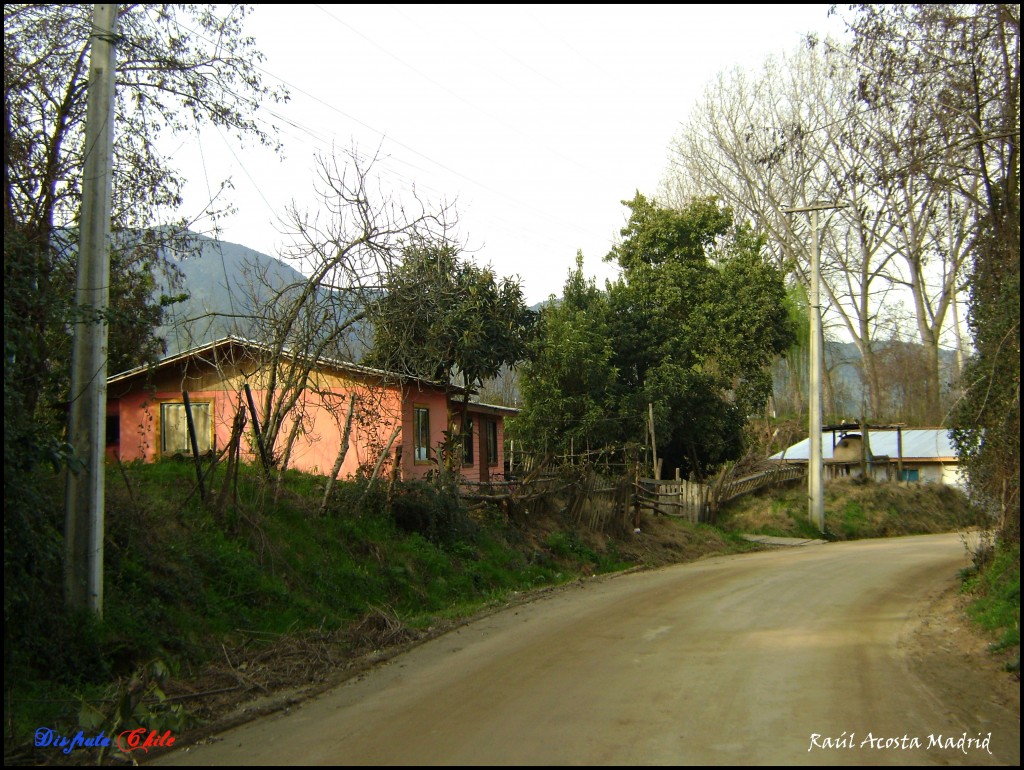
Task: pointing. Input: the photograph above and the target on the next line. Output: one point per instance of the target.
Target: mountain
(224, 283)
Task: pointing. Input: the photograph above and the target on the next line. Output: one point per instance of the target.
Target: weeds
(994, 584)
(853, 510)
(262, 581)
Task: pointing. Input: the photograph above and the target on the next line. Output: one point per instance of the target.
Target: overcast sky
(536, 121)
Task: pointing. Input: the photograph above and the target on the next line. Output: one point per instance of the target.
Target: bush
(995, 585)
(435, 512)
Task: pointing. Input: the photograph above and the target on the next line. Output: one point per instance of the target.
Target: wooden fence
(609, 501)
(689, 500)
(767, 478)
(700, 502)
(588, 495)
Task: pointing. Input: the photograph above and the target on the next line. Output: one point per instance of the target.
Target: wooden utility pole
(84, 502)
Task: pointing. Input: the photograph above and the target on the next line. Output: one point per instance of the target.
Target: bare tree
(345, 248)
(797, 132)
(765, 143)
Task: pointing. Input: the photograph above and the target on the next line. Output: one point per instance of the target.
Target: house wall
(928, 472)
(139, 421)
(480, 469)
(320, 412)
(953, 475)
(322, 416)
(495, 470)
(436, 404)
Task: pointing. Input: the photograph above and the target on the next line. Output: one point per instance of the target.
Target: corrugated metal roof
(266, 349)
(918, 444)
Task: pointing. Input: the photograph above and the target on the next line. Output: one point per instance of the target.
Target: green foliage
(691, 327)
(567, 545)
(987, 418)
(568, 380)
(430, 510)
(170, 79)
(658, 236)
(445, 319)
(181, 582)
(442, 317)
(853, 519)
(996, 590)
(138, 703)
(853, 510)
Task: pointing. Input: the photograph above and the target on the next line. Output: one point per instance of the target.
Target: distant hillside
(225, 283)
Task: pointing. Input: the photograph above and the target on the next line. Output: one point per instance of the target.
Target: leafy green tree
(699, 316)
(987, 418)
(568, 380)
(446, 319)
(691, 327)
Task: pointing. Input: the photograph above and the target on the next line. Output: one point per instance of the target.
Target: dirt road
(797, 656)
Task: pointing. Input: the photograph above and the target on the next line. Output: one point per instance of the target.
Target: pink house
(397, 422)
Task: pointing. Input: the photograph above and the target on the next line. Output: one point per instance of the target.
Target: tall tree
(446, 319)
(954, 71)
(800, 131)
(178, 67)
(568, 382)
(691, 328)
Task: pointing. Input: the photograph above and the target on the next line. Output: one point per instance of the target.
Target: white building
(894, 453)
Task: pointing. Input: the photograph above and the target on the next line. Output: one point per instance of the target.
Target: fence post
(636, 496)
(193, 440)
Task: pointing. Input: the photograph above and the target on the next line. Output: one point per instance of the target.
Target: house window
(467, 443)
(421, 434)
(911, 474)
(492, 442)
(113, 430)
(174, 427)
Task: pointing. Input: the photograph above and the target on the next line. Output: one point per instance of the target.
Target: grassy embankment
(206, 604)
(209, 603)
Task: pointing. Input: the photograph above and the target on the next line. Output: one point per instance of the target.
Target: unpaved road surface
(799, 656)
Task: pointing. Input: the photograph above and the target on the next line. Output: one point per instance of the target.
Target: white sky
(537, 121)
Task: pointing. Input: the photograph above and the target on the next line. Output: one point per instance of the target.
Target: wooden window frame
(187, 451)
(420, 412)
(492, 442)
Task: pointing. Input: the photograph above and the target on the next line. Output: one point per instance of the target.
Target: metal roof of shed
(932, 444)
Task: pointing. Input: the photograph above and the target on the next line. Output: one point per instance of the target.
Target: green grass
(853, 510)
(187, 580)
(995, 606)
(184, 578)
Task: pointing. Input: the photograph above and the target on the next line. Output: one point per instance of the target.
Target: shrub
(433, 511)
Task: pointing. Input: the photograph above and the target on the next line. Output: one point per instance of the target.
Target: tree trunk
(342, 451)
